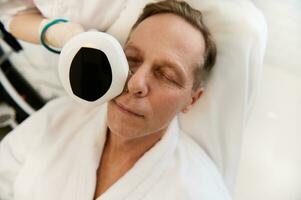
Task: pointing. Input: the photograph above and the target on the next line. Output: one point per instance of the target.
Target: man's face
(162, 52)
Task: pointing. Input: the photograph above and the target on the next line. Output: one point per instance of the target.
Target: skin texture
(162, 62)
(26, 27)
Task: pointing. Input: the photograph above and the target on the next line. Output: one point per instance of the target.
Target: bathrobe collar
(146, 171)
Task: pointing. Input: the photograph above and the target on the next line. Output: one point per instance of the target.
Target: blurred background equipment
(7, 116)
(17, 96)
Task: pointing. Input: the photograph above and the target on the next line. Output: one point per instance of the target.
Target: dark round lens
(90, 74)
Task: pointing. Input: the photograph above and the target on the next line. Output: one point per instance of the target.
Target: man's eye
(167, 77)
(133, 64)
(132, 61)
(164, 75)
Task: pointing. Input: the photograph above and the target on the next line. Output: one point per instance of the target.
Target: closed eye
(133, 64)
(161, 74)
(132, 61)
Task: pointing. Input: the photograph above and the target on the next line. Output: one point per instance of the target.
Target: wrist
(45, 25)
(42, 25)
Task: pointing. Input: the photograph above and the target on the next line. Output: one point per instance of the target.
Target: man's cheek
(167, 110)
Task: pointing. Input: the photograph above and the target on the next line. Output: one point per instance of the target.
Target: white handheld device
(93, 67)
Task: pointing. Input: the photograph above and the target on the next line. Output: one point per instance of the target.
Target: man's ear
(193, 99)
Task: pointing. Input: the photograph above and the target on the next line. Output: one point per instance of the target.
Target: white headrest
(218, 120)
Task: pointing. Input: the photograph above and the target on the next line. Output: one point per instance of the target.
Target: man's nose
(137, 83)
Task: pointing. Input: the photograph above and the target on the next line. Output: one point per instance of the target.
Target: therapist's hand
(59, 34)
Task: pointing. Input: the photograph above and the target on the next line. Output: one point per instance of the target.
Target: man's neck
(119, 155)
(131, 149)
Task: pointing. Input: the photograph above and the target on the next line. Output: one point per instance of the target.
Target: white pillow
(218, 120)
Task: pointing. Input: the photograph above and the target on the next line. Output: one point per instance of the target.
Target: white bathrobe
(54, 155)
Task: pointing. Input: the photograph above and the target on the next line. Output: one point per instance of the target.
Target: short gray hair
(195, 18)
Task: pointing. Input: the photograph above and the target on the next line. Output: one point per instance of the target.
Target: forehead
(168, 35)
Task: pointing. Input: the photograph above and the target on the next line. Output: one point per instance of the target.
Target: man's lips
(127, 110)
